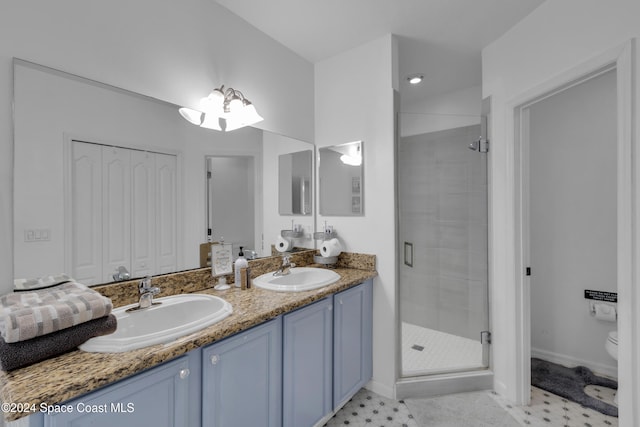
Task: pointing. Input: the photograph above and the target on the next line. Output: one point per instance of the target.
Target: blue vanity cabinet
(242, 378)
(157, 397)
(352, 341)
(307, 364)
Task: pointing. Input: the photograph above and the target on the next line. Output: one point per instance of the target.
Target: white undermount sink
(176, 316)
(299, 279)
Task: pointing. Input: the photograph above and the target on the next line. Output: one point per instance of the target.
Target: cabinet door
(242, 379)
(307, 364)
(158, 397)
(352, 341)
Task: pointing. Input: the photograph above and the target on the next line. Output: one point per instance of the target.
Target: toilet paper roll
(604, 311)
(283, 244)
(330, 247)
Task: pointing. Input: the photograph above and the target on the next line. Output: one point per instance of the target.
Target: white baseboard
(381, 389)
(438, 385)
(571, 362)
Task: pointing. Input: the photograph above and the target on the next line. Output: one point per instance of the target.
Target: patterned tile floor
(368, 409)
(547, 409)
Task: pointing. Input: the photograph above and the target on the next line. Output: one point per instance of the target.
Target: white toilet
(612, 348)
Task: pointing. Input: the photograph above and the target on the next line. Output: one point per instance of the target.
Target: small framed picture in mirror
(355, 185)
(356, 205)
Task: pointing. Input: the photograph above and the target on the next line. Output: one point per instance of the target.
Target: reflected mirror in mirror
(341, 179)
(294, 183)
(107, 178)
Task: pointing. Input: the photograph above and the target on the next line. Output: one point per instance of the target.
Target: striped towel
(26, 315)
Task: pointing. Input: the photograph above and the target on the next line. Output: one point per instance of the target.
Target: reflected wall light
(230, 105)
(353, 157)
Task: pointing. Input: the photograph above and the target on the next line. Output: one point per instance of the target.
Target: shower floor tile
(426, 351)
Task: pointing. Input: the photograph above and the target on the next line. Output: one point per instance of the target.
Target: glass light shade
(235, 105)
(214, 103)
(250, 115)
(211, 121)
(233, 124)
(192, 116)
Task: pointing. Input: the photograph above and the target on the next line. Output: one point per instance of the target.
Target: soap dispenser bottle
(240, 263)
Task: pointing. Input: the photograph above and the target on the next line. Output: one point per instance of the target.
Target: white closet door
(86, 212)
(116, 208)
(166, 213)
(143, 215)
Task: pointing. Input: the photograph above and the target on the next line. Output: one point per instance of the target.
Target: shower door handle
(408, 254)
(485, 340)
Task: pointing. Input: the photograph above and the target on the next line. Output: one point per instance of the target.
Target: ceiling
(442, 39)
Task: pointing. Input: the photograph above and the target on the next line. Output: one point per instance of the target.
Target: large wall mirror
(341, 179)
(105, 178)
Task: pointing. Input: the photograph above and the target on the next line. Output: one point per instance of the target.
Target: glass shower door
(442, 188)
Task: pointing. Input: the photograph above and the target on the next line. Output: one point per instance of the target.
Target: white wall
(573, 242)
(174, 51)
(555, 37)
(50, 107)
(273, 146)
(366, 75)
(447, 111)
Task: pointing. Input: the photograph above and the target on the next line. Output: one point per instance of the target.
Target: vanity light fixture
(415, 79)
(230, 105)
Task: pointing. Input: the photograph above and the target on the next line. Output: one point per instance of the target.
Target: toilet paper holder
(596, 306)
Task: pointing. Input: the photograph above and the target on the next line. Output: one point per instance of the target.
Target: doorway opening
(534, 203)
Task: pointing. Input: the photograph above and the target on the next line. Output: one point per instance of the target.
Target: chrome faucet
(146, 293)
(121, 274)
(285, 267)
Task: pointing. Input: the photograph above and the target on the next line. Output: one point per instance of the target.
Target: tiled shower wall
(443, 213)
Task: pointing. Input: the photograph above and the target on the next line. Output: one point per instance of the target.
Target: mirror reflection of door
(231, 200)
(123, 212)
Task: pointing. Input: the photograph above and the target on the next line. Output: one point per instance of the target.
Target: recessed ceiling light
(415, 79)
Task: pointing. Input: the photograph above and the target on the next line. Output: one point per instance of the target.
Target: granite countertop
(73, 374)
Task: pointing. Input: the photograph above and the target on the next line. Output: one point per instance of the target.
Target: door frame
(621, 60)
